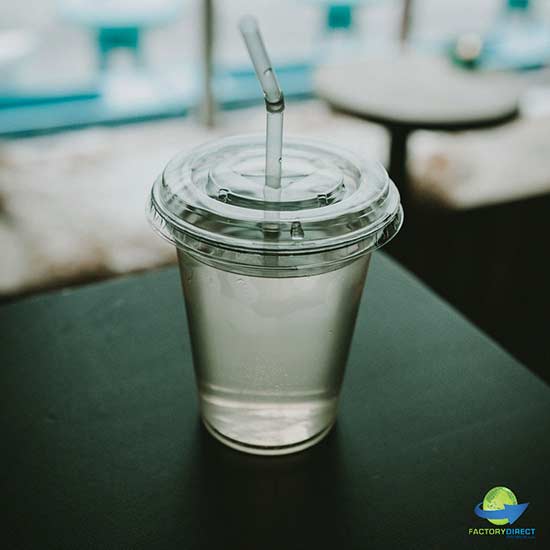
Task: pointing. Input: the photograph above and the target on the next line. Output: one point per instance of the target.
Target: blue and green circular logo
(500, 506)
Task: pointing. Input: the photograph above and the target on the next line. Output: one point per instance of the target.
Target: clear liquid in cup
(270, 353)
(272, 276)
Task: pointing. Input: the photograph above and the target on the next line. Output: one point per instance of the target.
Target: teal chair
(120, 24)
(339, 16)
(518, 4)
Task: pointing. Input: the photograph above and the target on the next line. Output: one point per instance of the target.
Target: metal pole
(406, 18)
(208, 104)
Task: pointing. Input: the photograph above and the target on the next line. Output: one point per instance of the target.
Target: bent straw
(274, 99)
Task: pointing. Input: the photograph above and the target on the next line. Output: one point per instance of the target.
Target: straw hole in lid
(296, 231)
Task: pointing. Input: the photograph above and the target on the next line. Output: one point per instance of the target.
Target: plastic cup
(272, 284)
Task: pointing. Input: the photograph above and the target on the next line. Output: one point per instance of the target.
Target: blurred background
(453, 97)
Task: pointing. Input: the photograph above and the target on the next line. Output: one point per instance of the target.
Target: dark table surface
(102, 446)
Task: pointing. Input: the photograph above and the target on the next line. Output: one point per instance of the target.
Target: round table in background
(410, 91)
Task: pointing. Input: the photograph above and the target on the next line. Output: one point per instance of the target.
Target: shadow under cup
(272, 281)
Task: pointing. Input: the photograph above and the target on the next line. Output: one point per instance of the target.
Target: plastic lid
(328, 199)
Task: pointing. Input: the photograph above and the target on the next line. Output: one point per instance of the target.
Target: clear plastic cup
(272, 280)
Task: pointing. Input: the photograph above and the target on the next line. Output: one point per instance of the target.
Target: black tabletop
(103, 448)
